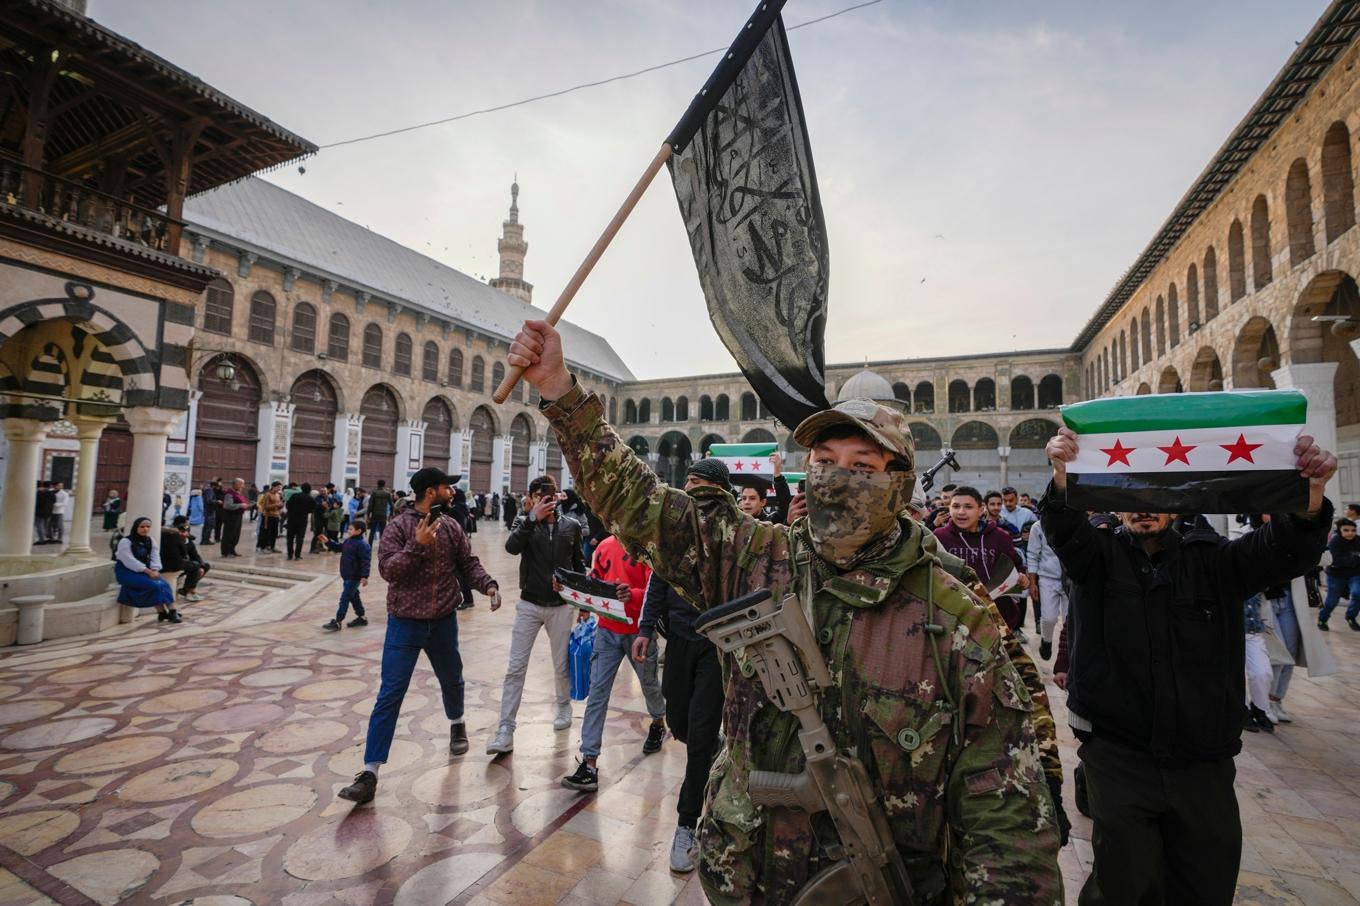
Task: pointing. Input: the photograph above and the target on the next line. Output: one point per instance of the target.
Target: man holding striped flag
(1156, 686)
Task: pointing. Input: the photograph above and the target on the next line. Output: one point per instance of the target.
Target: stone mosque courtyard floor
(200, 763)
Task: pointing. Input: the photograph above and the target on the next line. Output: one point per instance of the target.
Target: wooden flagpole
(569, 291)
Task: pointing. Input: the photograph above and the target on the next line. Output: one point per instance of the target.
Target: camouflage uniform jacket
(961, 783)
(1042, 715)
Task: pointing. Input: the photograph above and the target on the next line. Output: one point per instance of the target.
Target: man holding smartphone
(544, 538)
(425, 558)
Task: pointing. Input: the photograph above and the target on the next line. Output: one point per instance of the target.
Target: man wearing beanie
(922, 694)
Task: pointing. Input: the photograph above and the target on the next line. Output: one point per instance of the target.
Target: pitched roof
(274, 223)
(1335, 31)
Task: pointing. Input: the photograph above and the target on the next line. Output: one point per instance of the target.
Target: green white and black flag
(743, 174)
(1188, 453)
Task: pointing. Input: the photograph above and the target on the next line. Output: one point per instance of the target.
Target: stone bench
(30, 629)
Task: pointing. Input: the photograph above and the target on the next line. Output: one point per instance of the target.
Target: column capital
(26, 428)
(1003, 452)
(88, 428)
(151, 419)
(1307, 374)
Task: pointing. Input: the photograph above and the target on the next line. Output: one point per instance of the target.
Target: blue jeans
(401, 649)
(1339, 587)
(350, 595)
(611, 648)
(375, 529)
(1287, 625)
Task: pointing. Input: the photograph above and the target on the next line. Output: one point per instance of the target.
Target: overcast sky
(987, 169)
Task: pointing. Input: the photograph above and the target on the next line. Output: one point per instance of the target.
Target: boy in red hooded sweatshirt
(613, 639)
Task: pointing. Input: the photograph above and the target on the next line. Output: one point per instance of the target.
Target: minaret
(512, 248)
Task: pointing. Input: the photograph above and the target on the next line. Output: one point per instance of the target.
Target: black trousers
(209, 528)
(1163, 834)
(692, 684)
(192, 572)
(231, 530)
(267, 535)
(296, 534)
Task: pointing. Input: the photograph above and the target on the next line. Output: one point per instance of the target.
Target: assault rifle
(780, 645)
(928, 476)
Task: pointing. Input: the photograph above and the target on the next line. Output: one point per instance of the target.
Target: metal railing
(26, 187)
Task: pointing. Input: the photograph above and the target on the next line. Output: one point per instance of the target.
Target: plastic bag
(580, 648)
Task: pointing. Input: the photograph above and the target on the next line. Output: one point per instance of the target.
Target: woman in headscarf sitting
(137, 567)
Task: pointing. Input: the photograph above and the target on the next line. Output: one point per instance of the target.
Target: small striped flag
(745, 459)
(1188, 453)
(588, 593)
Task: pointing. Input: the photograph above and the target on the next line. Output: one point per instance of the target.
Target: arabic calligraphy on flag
(745, 459)
(1188, 453)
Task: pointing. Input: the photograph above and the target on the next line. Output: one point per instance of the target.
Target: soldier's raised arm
(700, 543)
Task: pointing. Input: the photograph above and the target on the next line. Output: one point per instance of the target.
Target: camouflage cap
(886, 426)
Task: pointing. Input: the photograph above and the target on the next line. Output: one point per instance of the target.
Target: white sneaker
(1279, 714)
(683, 846)
(190, 596)
(503, 744)
(563, 719)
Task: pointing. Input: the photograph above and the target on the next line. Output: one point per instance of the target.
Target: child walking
(355, 555)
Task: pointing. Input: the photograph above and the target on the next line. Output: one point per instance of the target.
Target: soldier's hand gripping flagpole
(701, 110)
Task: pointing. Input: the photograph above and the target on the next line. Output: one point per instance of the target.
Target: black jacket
(174, 551)
(1157, 645)
(664, 605)
(298, 510)
(543, 547)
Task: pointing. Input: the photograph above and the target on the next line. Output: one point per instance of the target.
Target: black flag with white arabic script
(743, 174)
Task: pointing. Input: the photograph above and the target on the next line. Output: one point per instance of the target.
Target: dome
(866, 385)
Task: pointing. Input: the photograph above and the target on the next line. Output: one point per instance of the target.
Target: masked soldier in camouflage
(922, 692)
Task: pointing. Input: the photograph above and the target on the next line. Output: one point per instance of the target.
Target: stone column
(275, 432)
(88, 430)
(25, 436)
(151, 428)
(456, 460)
(1314, 380)
(345, 449)
(500, 452)
(1004, 454)
(538, 459)
(410, 453)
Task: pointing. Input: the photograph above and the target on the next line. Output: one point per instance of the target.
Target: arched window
(1210, 284)
(924, 397)
(1161, 327)
(262, 315)
(629, 412)
(613, 413)
(667, 409)
(337, 339)
(373, 343)
(960, 400)
(497, 375)
(705, 408)
(1022, 392)
(401, 355)
(1147, 335)
(303, 338)
(902, 393)
(1338, 182)
(219, 303)
(682, 409)
(1133, 347)
(477, 380)
(1105, 368)
(1192, 321)
(455, 367)
(1173, 306)
(1260, 243)
(1298, 212)
(1123, 355)
(721, 412)
(984, 395)
(1050, 392)
(429, 362)
(516, 392)
(645, 412)
(748, 407)
(1237, 262)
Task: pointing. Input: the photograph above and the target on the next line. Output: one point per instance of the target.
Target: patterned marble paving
(199, 764)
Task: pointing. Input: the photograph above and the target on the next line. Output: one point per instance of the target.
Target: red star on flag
(737, 467)
(1240, 450)
(755, 467)
(1177, 451)
(1118, 453)
(589, 600)
(576, 596)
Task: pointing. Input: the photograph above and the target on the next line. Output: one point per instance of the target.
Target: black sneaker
(1262, 720)
(1045, 649)
(161, 615)
(458, 741)
(586, 779)
(357, 621)
(655, 734)
(1350, 621)
(362, 789)
(331, 626)
(174, 617)
(1323, 626)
